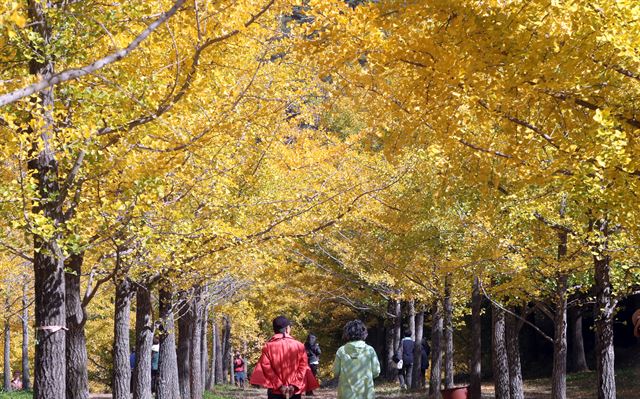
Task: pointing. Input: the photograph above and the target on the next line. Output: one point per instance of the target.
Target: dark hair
(311, 340)
(355, 330)
(280, 324)
(407, 333)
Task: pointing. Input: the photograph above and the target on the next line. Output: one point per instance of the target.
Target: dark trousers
(314, 369)
(406, 374)
(272, 395)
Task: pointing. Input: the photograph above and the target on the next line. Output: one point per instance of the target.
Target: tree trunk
(475, 366)
(184, 350)
(76, 343)
(121, 367)
(397, 324)
(391, 372)
(219, 376)
(227, 370)
(605, 307)
(48, 265)
(512, 331)
(196, 346)
(211, 377)
(144, 341)
(418, 375)
(412, 318)
(168, 387)
(559, 374)
(448, 334)
(232, 376)
(26, 379)
(436, 351)
(578, 358)
(500, 359)
(204, 350)
(7, 355)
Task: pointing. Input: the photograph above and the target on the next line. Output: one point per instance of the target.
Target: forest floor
(579, 386)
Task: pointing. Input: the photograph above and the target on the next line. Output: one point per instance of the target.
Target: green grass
(221, 392)
(16, 395)
(211, 395)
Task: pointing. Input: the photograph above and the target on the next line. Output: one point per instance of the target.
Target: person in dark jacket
(407, 346)
(313, 354)
(424, 361)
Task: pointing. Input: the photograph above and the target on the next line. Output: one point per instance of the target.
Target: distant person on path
(16, 382)
(636, 323)
(239, 370)
(313, 354)
(424, 362)
(132, 364)
(155, 363)
(408, 345)
(356, 364)
(283, 367)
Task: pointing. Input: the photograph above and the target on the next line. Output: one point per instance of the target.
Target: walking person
(356, 364)
(424, 362)
(132, 364)
(283, 367)
(155, 363)
(313, 354)
(408, 346)
(239, 369)
(16, 382)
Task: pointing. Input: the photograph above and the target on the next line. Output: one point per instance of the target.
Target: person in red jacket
(283, 368)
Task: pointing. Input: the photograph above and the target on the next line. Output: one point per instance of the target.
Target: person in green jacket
(356, 364)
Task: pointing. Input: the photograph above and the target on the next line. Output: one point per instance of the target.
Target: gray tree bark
(397, 324)
(475, 366)
(227, 357)
(26, 379)
(500, 359)
(559, 373)
(121, 368)
(76, 342)
(211, 377)
(219, 376)
(604, 312)
(204, 349)
(168, 387)
(435, 378)
(48, 257)
(391, 372)
(144, 341)
(412, 318)
(7, 355)
(195, 358)
(448, 334)
(512, 331)
(578, 358)
(184, 350)
(418, 375)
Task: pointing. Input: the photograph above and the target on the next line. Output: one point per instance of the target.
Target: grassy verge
(16, 395)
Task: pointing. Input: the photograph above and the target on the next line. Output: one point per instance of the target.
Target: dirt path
(386, 391)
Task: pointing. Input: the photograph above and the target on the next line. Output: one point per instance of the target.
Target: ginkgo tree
(548, 89)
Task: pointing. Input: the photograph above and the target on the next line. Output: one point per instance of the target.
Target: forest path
(387, 391)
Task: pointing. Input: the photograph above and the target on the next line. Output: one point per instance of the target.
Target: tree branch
(76, 73)
(170, 102)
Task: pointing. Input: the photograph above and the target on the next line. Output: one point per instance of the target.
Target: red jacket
(284, 362)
